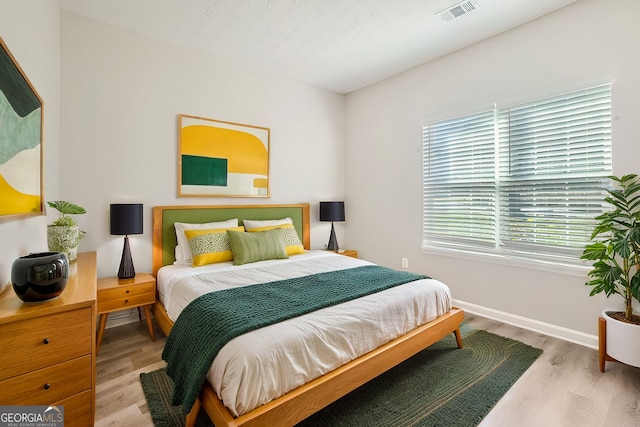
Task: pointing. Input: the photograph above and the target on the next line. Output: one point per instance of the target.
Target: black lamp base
(126, 270)
(333, 242)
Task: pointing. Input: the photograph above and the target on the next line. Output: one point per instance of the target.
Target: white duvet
(262, 365)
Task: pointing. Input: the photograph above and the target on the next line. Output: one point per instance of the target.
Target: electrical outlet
(405, 262)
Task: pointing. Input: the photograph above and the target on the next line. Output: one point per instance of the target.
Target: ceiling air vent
(456, 11)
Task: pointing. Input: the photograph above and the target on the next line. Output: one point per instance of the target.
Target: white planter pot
(623, 341)
(64, 239)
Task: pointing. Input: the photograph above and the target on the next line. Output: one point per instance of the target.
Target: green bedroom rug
(440, 386)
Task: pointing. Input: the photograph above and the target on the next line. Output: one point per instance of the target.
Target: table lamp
(126, 219)
(332, 211)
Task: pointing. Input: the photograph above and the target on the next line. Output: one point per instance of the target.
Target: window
(526, 180)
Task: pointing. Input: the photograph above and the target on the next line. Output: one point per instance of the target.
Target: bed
(291, 405)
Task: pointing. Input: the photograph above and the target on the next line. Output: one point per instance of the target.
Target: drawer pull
(46, 341)
(47, 386)
(126, 301)
(127, 291)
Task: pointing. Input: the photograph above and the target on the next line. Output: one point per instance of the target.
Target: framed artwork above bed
(222, 159)
(21, 115)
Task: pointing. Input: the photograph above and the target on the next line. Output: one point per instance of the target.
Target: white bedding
(261, 365)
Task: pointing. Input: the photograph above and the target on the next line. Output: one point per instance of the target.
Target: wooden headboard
(164, 235)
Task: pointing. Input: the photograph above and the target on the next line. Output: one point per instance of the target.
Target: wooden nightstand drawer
(126, 291)
(48, 385)
(35, 343)
(125, 302)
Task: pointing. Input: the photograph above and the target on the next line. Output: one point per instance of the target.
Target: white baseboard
(559, 332)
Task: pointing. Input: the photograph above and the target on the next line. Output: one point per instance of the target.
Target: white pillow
(257, 223)
(183, 251)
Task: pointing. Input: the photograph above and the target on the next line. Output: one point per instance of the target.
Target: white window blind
(526, 179)
(459, 180)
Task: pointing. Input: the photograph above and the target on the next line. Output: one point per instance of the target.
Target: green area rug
(440, 386)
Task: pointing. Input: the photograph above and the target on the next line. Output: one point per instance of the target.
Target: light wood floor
(562, 388)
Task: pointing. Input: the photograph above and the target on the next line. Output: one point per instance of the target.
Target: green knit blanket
(213, 319)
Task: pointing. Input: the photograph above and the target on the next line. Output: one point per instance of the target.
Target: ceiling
(339, 45)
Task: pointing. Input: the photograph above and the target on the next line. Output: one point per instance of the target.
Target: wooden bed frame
(304, 401)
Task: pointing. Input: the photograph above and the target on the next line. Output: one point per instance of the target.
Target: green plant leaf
(66, 208)
(621, 247)
(595, 251)
(635, 285)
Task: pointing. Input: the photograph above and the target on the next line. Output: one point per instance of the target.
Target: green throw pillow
(259, 246)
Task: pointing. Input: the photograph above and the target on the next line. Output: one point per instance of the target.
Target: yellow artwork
(218, 158)
(20, 141)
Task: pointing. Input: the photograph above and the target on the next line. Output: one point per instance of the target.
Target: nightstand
(119, 294)
(348, 252)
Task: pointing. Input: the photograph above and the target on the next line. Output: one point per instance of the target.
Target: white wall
(30, 29)
(122, 93)
(585, 43)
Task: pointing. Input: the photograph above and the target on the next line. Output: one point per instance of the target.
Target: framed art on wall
(222, 159)
(21, 154)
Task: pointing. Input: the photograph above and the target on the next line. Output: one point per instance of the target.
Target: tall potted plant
(615, 252)
(63, 234)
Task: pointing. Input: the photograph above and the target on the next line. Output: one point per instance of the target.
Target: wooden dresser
(47, 349)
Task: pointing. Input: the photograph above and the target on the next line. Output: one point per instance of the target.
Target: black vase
(40, 276)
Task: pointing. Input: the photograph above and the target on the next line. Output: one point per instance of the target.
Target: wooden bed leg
(192, 416)
(458, 337)
(602, 342)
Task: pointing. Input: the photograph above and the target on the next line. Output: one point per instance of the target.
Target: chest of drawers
(48, 348)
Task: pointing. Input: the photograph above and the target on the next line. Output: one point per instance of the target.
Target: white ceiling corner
(338, 45)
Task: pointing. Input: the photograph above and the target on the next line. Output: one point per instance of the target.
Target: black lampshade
(332, 211)
(126, 218)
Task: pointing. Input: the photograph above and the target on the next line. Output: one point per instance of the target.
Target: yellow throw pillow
(183, 253)
(210, 246)
(290, 238)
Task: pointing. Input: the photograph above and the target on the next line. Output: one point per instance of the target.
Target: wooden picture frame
(222, 159)
(21, 140)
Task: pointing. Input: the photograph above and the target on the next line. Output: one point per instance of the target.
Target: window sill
(512, 261)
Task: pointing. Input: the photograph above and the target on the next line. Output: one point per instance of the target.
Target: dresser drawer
(77, 409)
(32, 344)
(127, 290)
(121, 303)
(48, 385)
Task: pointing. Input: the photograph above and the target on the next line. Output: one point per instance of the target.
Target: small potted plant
(63, 234)
(615, 252)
